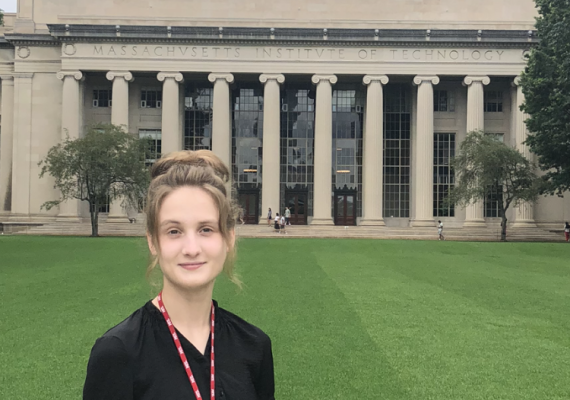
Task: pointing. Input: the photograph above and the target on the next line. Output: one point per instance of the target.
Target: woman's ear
(151, 245)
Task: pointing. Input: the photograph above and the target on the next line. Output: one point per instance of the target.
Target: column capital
(23, 75)
(177, 76)
(280, 78)
(78, 75)
(7, 80)
(419, 79)
(516, 81)
(368, 79)
(468, 80)
(317, 78)
(214, 76)
(128, 76)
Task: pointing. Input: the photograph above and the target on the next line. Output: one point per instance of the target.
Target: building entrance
(249, 202)
(297, 203)
(345, 207)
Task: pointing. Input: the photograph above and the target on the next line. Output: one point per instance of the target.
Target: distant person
(269, 217)
(283, 221)
(287, 216)
(165, 349)
(277, 223)
(567, 231)
(440, 230)
(241, 216)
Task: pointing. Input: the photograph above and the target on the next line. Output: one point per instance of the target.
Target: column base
(19, 218)
(422, 223)
(372, 222)
(322, 221)
(524, 223)
(474, 223)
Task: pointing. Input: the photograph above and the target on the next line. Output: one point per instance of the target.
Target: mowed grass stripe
(348, 318)
(451, 326)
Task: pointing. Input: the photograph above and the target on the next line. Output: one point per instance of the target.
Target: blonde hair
(201, 169)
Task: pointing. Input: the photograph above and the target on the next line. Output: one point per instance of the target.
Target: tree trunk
(94, 208)
(504, 228)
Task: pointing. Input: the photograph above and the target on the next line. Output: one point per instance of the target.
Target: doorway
(249, 203)
(345, 208)
(297, 203)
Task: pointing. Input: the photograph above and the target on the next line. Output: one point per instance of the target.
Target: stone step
(303, 231)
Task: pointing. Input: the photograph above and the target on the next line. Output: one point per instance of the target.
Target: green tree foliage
(1, 17)
(485, 164)
(106, 162)
(546, 86)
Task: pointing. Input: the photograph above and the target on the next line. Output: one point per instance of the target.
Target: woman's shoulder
(240, 326)
(127, 331)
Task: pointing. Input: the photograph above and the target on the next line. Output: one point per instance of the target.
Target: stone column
(119, 116)
(524, 217)
(475, 122)
(222, 122)
(21, 147)
(6, 143)
(323, 150)
(271, 136)
(171, 130)
(423, 164)
(373, 148)
(70, 127)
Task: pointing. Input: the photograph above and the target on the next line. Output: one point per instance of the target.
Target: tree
(485, 165)
(546, 86)
(106, 163)
(1, 17)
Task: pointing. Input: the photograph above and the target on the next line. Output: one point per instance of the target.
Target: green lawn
(349, 319)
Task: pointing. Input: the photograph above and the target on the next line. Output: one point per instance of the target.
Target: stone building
(348, 115)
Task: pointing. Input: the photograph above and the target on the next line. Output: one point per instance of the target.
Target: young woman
(181, 345)
(269, 217)
(567, 231)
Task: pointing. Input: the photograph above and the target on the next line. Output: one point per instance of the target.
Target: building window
(397, 128)
(247, 136)
(493, 101)
(151, 98)
(493, 199)
(500, 137)
(198, 118)
(443, 176)
(154, 137)
(102, 97)
(297, 143)
(443, 101)
(347, 123)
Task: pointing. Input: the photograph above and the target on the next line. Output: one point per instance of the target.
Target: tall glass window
(348, 105)
(297, 142)
(443, 176)
(397, 126)
(247, 136)
(493, 197)
(154, 138)
(198, 117)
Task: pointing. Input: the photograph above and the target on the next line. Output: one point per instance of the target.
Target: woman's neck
(188, 310)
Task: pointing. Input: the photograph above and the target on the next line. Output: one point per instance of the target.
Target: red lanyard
(183, 356)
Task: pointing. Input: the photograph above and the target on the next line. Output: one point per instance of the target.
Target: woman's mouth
(191, 266)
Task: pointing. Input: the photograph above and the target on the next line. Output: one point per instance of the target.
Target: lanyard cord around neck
(183, 356)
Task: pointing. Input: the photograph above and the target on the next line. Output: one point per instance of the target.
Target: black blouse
(137, 360)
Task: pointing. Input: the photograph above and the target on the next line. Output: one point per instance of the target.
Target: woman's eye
(173, 232)
(207, 230)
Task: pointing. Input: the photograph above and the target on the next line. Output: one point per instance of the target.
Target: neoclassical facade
(347, 115)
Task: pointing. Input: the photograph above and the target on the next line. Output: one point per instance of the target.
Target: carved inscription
(297, 53)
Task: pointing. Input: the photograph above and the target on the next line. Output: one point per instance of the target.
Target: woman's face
(192, 248)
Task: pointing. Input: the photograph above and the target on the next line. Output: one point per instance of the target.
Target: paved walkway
(263, 231)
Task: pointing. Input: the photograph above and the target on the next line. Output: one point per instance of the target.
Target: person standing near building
(440, 230)
(277, 223)
(283, 222)
(287, 216)
(567, 231)
(165, 349)
(269, 217)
